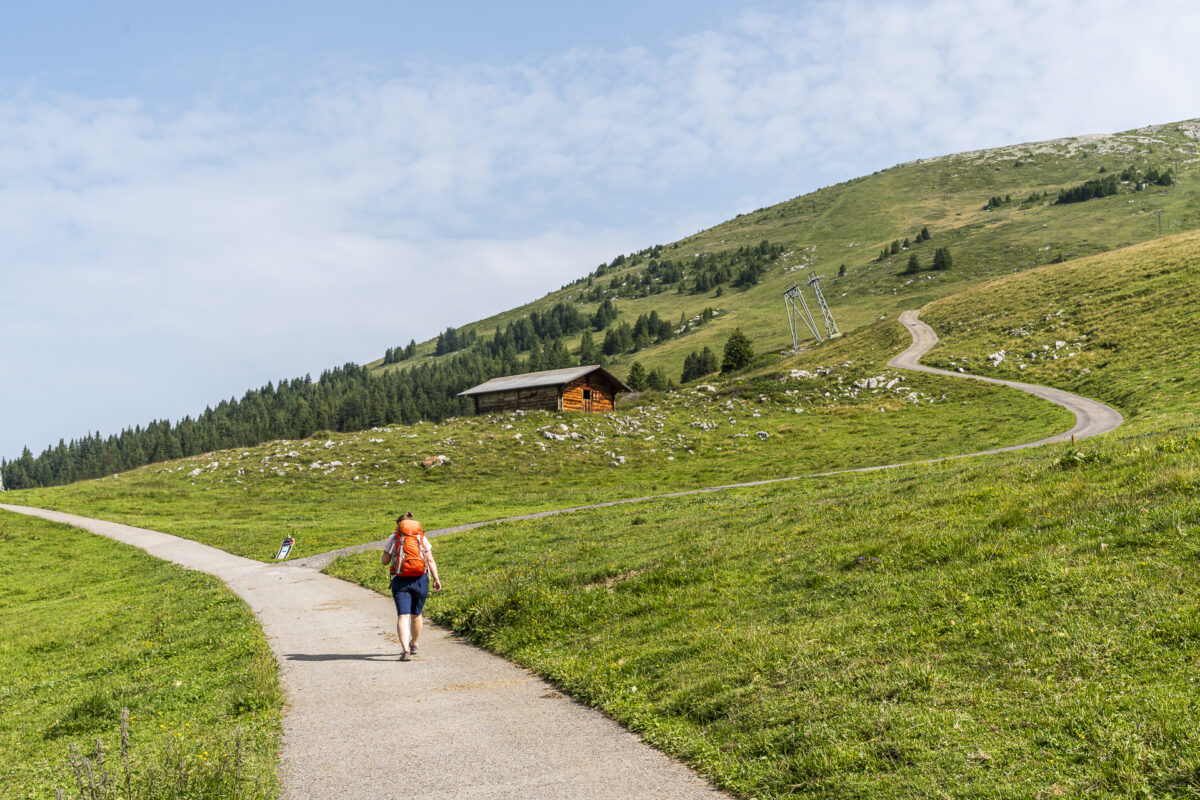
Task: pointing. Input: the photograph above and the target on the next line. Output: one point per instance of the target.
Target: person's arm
(387, 550)
(433, 573)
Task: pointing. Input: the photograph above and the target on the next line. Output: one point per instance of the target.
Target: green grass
(1013, 626)
(88, 627)
(1002, 628)
(1126, 321)
(1020, 625)
(505, 464)
(848, 224)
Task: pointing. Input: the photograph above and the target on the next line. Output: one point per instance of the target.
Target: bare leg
(416, 628)
(403, 630)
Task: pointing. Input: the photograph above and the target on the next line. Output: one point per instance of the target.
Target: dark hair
(404, 516)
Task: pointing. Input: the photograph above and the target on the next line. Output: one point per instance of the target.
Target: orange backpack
(407, 559)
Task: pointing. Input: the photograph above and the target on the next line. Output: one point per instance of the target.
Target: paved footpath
(457, 722)
(477, 726)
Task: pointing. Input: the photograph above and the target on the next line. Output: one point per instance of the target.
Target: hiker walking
(409, 557)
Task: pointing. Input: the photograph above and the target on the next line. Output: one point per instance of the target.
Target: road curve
(481, 727)
(488, 728)
(1092, 418)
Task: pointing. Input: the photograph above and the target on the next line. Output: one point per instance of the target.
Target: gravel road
(1092, 417)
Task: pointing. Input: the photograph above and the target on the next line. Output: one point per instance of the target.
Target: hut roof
(549, 377)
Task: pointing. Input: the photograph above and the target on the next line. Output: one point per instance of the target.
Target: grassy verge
(88, 627)
(836, 407)
(1025, 625)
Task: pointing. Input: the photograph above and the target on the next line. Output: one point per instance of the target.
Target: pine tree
(942, 259)
(708, 361)
(691, 366)
(739, 352)
(587, 349)
(924, 237)
(895, 246)
(612, 343)
(842, 271)
(637, 377)
(657, 379)
(624, 338)
(914, 265)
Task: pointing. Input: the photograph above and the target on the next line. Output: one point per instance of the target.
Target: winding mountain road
(1092, 418)
(479, 726)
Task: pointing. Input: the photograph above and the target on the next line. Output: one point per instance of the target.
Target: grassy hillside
(848, 224)
(1120, 327)
(1013, 626)
(1018, 625)
(341, 489)
(88, 627)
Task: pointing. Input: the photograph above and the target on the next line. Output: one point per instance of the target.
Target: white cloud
(353, 211)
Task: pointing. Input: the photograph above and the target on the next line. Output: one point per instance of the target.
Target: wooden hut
(588, 389)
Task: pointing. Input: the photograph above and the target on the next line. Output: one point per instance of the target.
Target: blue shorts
(410, 594)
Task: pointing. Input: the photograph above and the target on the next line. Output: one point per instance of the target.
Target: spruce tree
(624, 338)
(691, 366)
(587, 349)
(914, 265)
(637, 377)
(708, 361)
(942, 259)
(739, 352)
(657, 379)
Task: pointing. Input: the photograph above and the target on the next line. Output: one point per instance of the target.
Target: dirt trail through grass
(1092, 418)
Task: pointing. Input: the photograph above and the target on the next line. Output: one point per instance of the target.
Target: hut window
(587, 394)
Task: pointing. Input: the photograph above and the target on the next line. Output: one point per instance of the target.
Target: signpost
(285, 548)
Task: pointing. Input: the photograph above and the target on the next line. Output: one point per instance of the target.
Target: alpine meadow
(1013, 624)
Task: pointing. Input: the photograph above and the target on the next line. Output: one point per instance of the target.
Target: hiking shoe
(404, 655)
(412, 649)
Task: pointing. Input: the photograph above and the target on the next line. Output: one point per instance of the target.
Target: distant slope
(1120, 327)
(850, 223)
(993, 210)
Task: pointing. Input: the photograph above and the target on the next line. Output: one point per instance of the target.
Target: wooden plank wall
(603, 397)
(543, 398)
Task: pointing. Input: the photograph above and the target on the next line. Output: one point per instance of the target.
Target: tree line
(349, 398)
(741, 268)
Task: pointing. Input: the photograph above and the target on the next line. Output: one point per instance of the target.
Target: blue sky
(195, 200)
